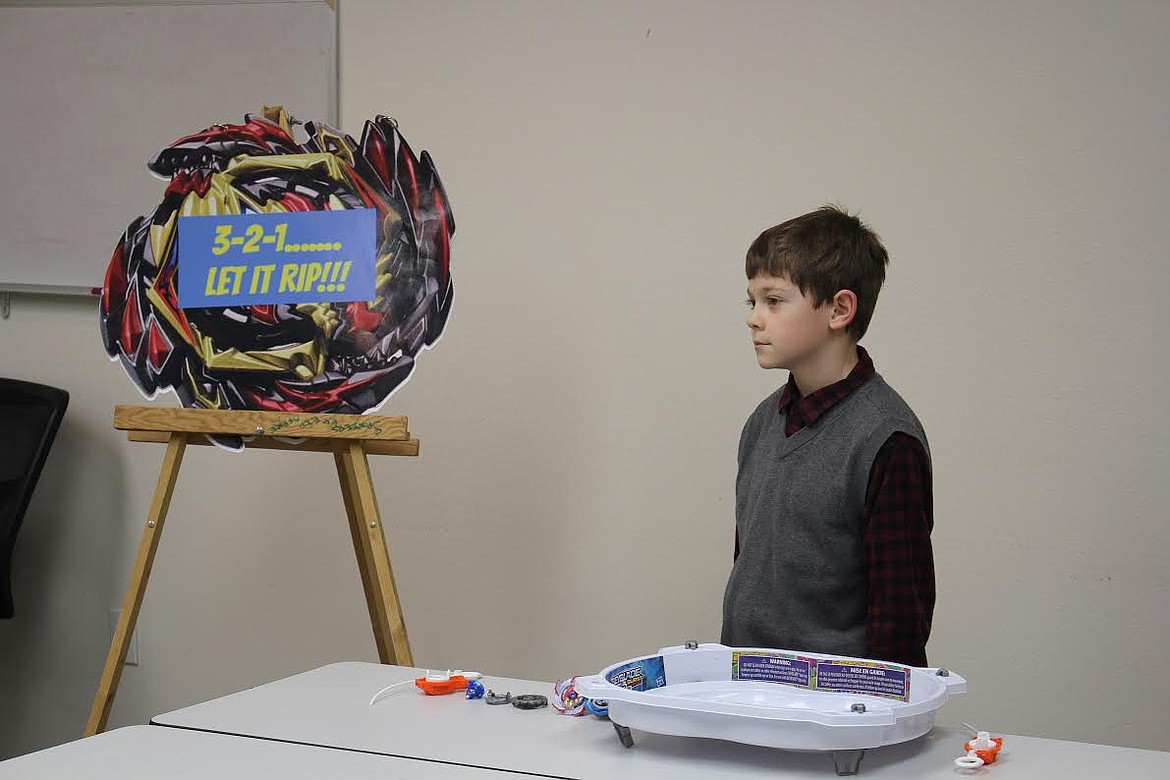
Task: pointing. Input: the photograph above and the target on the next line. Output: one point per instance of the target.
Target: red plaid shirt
(897, 522)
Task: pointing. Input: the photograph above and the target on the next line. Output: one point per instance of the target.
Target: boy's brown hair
(822, 252)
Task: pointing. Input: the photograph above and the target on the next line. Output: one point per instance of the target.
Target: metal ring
(491, 697)
(529, 701)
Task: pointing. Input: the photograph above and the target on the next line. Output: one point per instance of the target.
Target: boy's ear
(844, 309)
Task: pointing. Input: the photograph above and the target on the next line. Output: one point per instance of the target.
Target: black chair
(30, 415)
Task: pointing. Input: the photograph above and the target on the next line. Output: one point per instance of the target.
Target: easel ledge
(248, 423)
(371, 446)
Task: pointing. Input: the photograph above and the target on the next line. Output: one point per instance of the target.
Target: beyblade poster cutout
(331, 357)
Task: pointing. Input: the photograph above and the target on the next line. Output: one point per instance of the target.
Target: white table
(153, 753)
(329, 707)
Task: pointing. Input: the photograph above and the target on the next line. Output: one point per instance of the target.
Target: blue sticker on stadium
(645, 674)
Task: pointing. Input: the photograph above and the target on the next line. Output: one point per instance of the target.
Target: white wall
(608, 164)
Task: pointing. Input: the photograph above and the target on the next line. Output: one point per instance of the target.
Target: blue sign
(294, 257)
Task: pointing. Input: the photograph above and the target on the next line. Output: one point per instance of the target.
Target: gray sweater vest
(799, 581)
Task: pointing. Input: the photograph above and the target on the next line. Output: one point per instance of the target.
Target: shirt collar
(808, 409)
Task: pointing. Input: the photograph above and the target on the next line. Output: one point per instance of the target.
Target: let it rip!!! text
(327, 276)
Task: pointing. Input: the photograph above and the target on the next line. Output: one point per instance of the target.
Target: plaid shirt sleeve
(898, 559)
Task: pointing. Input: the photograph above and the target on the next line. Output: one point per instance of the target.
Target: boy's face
(787, 329)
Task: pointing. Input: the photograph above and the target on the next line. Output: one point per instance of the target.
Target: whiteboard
(92, 92)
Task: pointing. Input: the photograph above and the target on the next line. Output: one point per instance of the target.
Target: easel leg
(394, 647)
(362, 553)
(112, 673)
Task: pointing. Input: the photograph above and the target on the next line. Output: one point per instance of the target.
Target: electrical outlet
(132, 650)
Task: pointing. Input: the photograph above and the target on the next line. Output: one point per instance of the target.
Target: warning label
(875, 679)
(838, 676)
(778, 668)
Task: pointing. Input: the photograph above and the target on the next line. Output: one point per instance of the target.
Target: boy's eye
(748, 302)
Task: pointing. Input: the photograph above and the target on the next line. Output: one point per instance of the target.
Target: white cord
(385, 691)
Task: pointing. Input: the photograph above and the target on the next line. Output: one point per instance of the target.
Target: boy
(833, 502)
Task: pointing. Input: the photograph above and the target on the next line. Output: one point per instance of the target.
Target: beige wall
(608, 163)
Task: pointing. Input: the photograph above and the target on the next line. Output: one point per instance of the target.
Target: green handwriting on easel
(365, 425)
(296, 422)
(280, 425)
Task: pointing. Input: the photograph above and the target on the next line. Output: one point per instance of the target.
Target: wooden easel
(349, 437)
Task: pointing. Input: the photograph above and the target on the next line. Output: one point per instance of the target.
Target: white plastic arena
(784, 699)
